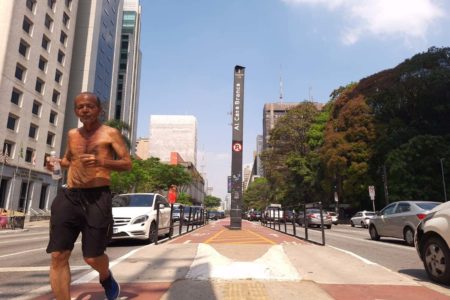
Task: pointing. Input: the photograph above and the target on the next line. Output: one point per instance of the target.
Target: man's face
(87, 109)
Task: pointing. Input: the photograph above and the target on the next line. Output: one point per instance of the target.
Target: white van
(135, 216)
(273, 212)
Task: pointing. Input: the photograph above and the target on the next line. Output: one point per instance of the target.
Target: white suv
(432, 240)
(135, 216)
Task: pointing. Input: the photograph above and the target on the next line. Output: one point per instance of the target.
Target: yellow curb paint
(214, 236)
(261, 237)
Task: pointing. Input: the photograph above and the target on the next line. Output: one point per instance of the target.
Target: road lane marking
(187, 242)
(39, 269)
(22, 252)
(94, 274)
(261, 237)
(18, 241)
(214, 236)
(366, 261)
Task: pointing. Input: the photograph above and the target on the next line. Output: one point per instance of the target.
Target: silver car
(399, 220)
(362, 218)
(313, 218)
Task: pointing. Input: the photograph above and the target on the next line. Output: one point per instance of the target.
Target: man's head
(87, 107)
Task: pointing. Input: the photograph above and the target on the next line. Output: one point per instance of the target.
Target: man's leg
(100, 264)
(60, 274)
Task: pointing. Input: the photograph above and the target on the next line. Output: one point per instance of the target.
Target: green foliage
(148, 176)
(257, 195)
(397, 119)
(211, 201)
(184, 198)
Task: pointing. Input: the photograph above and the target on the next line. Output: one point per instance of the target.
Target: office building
(95, 40)
(126, 74)
(172, 133)
(36, 42)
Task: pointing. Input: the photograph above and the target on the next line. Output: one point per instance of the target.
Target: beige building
(36, 41)
(172, 133)
(142, 148)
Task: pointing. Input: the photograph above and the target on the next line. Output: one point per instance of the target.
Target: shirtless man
(93, 151)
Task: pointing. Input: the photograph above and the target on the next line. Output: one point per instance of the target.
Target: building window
(27, 25)
(12, 122)
(55, 96)
(51, 4)
(58, 76)
(69, 4)
(20, 72)
(15, 96)
(43, 196)
(45, 42)
(29, 155)
(50, 138)
(39, 87)
(63, 38)
(42, 63)
(48, 22)
(52, 118)
(23, 48)
(36, 109)
(66, 20)
(45, 158)
(61, 57)
(32, 132)
(8, 147)
(31, 4)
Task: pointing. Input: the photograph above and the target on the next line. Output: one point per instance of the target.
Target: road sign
(237, 147)
(372, 192)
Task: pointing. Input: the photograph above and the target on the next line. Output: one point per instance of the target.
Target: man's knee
(60, 258)
(94, 260)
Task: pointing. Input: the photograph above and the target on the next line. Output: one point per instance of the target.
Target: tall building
(126, 75)
(271, 113)
(259, 149)
(95, 40)
(36, 43)
(171, 133)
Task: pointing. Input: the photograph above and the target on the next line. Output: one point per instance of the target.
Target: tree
(257, 195)
(149, 175)
(211, 201)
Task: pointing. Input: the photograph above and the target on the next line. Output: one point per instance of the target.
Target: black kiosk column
(237, 148)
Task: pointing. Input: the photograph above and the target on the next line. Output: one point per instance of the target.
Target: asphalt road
(24, 264)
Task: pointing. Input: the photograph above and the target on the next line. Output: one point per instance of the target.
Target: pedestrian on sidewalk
(172, 194)
(84, 206)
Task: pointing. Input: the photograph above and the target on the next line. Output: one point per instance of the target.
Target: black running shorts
(88, 211)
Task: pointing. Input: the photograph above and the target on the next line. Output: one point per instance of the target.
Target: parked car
(432, 241)
(313, 218)
(334, 217)
(255, 216)
(400, 220)
(213, 215)
(176, 214)
(362, 218)
(288, 216)
(135, 216)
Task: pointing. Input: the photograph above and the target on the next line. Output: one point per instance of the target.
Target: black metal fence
(190, 218)
(290, 220)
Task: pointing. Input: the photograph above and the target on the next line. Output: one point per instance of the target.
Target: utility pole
(386, 194)
(443, 179)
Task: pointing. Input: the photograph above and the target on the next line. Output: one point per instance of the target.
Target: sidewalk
(255, 263)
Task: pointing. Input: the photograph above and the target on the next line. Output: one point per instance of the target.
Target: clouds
(407, 19)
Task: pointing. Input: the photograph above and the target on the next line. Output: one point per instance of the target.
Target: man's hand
(90, 160)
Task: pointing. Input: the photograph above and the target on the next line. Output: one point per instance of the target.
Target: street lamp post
(443, 179)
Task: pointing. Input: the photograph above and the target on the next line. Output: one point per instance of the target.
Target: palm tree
(123, 127)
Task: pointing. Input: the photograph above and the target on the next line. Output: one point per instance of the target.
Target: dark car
(213, 215)
(255, 216)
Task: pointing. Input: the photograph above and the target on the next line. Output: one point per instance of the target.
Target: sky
(190, 47)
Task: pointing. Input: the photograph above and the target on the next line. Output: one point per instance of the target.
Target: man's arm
(123, 161)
